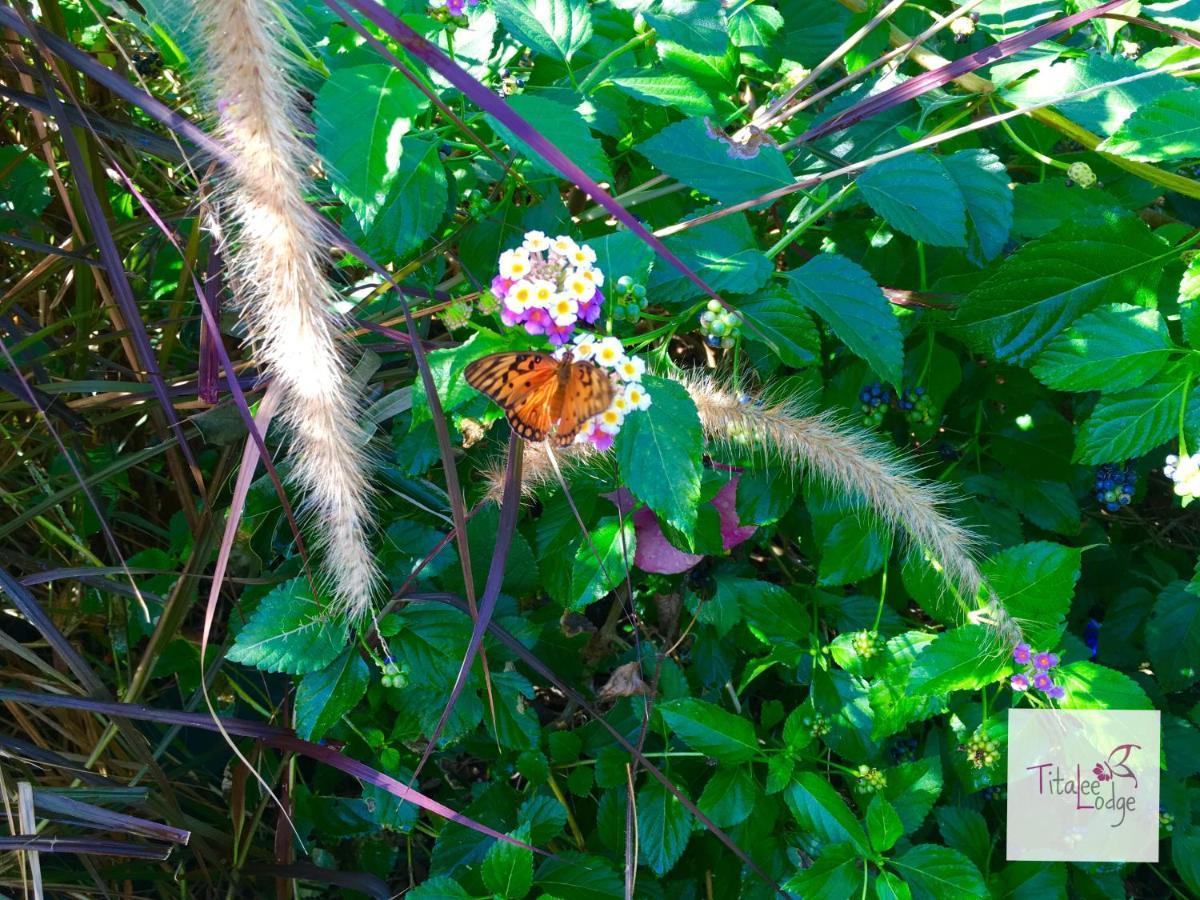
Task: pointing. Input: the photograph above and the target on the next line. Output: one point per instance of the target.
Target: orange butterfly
(541, 394)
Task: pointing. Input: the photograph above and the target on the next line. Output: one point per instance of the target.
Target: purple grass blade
(936, 78)
(51, 406)
(361, 882)
(279, 738)
(487, 100)
(82, 846)
(210, 357)
(113, 264)
(510, 507)
(106, 820)
(530, 659)
(31, 753)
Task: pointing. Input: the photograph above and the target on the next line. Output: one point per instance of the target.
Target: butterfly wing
(589, 391)
(524, 383)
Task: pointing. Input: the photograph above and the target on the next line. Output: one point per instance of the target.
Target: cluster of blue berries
(720, 326)
(904, 750)
(1114, 485)
(916, 406)
(875, 398)
(629, 301)
(393, 675)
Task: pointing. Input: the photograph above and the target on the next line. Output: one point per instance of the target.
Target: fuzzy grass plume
(859, 467)
(277, 274)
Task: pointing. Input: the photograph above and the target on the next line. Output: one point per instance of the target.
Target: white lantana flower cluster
(548, 285)
(627, 371)
(1185, 472)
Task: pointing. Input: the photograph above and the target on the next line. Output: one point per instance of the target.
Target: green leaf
(1166, 128)
(685, 151)
(594, 577)
(883, 824)
(324, 697)
(983, 181)
(439, 888)
(820, 809)
(1035, 583)
(562, 126)
(572, 875)
(785, 326)
(963, 658)
(852, 305)
(1132, 423)
(965, 830)
(889, 886)
(729, 797)
(658, 453)
(692, 38)
(725, 253)
(1113, 349)
(555, 27)
(835, 875)
(289, 632)
(1003, 18)
(1092, 686)
(1173, 637)
(416, 203)
(1185, 854)
(24, 185)
(664, 827)
(507, 869)
(666, 89)
(913, 788)
(774, 615)
(852, 550)
(711, 730)
(1042, 206)
(1050, 282)
(361, 113)
(939, 873)
(915, 194)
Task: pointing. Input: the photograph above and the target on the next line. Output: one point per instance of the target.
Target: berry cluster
(477, 203)
(994, 792)
(393, 675)
(511, 82)
(904, 750)
(1166, 821)
(1081, 173)
(457, 314)
(1114, 485)
(875, 400)
(548, 285)
(916, 405)
(720, 326)
(817, 724)
(630, 300)
(1037, 672)
(870, 780)
(1185, 472)
(866, 643)
(982, 752)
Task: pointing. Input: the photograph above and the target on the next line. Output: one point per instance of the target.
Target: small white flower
(564, 310)
(584, 346)
(520, 296)
(563, 246)
(514, 264)
(595, 276)
(544, 294)
(535, 242)
(609, 352)
(583, 256)
(631, 368)
(579, 287)
(620, 404)
(636, 396)
(610, 420)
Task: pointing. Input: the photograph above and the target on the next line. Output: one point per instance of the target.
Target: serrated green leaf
(853, 306)
(1035, 582)
(508, 869)
(1042, 206)
(1166, 128)
(686, 152)
(965, 830)
(939, 873)
(602, 563)
(883, 824)
(820, 809)
(729, 797)
(963, 658)
(1115, 348)
(834, 875)
(1134, 422)
(658, 453)
(711, 730)
(324, 697)
(577, 877)
(915, 194)
(1173, 637)
(416, 203)
(666, 89)
(983, 181)
(557, 28)
(785, 326)
(562, 126)
(913, 788)
(851, 551)
(289, 632)
(664, 827)
(1092, 686)
(1050, 282)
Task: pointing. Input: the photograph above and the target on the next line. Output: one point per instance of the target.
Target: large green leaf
(725, 253)
(711, 730)
(686, 152)
(1035, 583)
(664, 827)
(555, 27)
(834, 875)
(729, 796)
(883, 824)
(1092, 686)
(1166, 128)
(692, 38)
(1134, 422)
(964, 658)
(852, 550)
(362, 112)
(1047, 284)
(1003, 18)
(289, 632)
(913, 788)
(915, 194)
(785, 326)
(1114, 348)
(1173, 637)
(562, 126)
(983, 181)
(821, 811)
(603, 561)
(939, 873)
(853, 306)
(508, 869)
(323, 697)
(666, 89)
(416, 202)
(577, 877)
(658, 452)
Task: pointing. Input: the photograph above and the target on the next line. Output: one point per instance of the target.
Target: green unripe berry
(1081, 173)
(714, 306)
(639, 291)
(624, 283)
